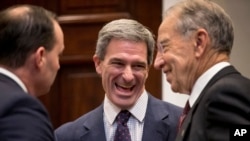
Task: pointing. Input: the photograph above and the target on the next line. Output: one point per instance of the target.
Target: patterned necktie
(184, 114)
(122, 131)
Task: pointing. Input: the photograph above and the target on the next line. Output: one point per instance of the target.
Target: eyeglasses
(159, 48)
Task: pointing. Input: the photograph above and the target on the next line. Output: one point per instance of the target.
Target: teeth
(125, 86)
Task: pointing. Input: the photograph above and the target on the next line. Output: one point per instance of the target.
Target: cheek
(58, 64)
(108, 80)
(142, 76)
(54, 65)
(146, 75)
(176, 57)
(107, 75)
(168, 58)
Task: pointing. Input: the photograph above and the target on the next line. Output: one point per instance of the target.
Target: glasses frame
(159, 48)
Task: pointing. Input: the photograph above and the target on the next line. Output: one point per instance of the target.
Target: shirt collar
(138, 110)
(13, 77)
(203, 80)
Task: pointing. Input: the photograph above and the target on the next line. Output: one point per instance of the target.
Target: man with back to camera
(124, 54)
(31, 41)
(195, 40)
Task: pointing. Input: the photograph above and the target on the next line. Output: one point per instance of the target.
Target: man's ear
(201, 42)
(98, 64)
(40, 57)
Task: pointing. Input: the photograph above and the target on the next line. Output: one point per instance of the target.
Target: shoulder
(80, 125)
(12, 99)
(230, 90)
(229, 76)
(164, 117)
(231, 84)
(26, 112)
(164, 108)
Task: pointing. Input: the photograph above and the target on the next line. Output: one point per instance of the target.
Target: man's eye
(165, 48)
(139, 67)
(117, 63)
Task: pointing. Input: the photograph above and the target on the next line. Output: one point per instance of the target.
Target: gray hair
(195, 14)
(125, 29)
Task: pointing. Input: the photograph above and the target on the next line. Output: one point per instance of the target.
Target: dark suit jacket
(160, 124)
(22, 117)
(224, 103)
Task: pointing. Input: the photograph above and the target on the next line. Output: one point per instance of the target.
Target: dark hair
(23, 29)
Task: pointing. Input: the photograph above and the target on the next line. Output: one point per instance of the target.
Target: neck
(208, 60)
(26, 78)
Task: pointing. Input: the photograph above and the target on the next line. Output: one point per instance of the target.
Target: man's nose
(159, 62)
(128, 74)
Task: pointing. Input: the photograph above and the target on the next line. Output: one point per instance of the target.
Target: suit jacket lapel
(94, 128)
(153, 130)
(187, 122)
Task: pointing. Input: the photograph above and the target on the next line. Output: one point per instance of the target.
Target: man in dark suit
(124, 54)
(30, 43)
(194, 43)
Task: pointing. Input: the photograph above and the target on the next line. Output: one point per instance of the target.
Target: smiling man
(124, 54)
(195, 40)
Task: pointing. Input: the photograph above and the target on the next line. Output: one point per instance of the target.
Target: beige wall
(239, 11)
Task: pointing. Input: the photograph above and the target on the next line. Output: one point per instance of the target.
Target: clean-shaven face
(175, 56)
(124, 71)
(52, 57)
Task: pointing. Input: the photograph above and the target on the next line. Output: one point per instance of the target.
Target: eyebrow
(115, 59)
(164, 41)
(120, 60)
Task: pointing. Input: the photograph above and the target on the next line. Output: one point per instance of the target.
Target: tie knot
(122, 117)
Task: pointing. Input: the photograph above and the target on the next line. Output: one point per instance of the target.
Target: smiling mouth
(167, 75)
(124, 88)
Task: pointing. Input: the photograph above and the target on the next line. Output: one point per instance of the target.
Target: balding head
(24, 28)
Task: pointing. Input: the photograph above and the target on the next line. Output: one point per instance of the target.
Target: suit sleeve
(25, 120)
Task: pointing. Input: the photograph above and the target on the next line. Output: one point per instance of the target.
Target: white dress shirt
(136, 120)
(13, 77)
(203, 80)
